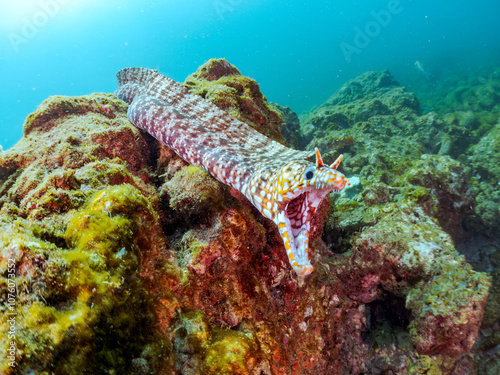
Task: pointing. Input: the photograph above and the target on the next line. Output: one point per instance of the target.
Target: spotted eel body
(276, 179)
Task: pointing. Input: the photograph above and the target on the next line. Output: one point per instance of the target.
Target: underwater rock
(378, 134)
(390, 152)
(192, 193)
(201, 347)
(477, 91)
(222, 84)
(290, 127)
(492, 312)
(407, 255)
(460, 132)
(130, 261)
(383, 149)
(486, 176)
(483, 97)
(364, 86)
(448, 193)
(469, 105)
(369, 95)
(486, 347)
(75, 222)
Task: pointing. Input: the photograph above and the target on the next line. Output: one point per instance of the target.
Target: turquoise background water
(296, 50)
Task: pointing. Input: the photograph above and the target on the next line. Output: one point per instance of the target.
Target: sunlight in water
(18, 14)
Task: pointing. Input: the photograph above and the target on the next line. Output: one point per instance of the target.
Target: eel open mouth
(298, 213)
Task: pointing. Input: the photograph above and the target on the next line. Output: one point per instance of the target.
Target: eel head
(299, 188)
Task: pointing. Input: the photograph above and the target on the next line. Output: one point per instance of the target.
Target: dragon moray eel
(277, 180)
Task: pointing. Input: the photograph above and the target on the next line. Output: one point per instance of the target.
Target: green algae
(410, 256)
(484, 159)
(57, 107)
(215, 351)
(190, 249)
(99, 174)
(114, 250)
(92, 291)
(222, 84)
(424, 365)
(369, 97)
(454, 286)
(448, 308)
(492, 310)
(232, 353)
(192, 332)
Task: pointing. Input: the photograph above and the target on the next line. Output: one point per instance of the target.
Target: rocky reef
(404, 157)
(127, 260)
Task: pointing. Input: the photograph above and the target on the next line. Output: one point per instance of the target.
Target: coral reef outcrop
(222, 84)
(76, 219)
(127, 260)
(486, 177)
(404, 157)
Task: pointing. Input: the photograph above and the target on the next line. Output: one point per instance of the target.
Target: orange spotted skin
(289, 195)
(276, 179)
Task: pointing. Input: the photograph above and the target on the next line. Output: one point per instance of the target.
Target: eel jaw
(294, 222)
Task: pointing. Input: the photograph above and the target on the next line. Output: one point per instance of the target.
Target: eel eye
(309, 173)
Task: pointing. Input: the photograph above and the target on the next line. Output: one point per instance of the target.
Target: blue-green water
(300, 52)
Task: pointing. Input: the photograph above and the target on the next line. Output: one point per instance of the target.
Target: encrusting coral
(130, 261)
